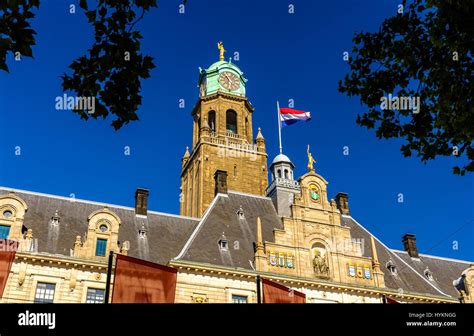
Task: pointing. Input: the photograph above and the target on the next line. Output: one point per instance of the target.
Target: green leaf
(83, 4)
(91, 15)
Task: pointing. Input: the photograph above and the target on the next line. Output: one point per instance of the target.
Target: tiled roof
(166, 234)
(410, 276)
(192, 239)
(221, 218)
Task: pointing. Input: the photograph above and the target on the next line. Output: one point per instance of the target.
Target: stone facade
(244, 159)
(290, 232)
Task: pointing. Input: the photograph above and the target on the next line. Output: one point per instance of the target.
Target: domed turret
(222, 76)
(282, 167)
(283, 186)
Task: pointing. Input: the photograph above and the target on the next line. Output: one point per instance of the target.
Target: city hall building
(235, 223)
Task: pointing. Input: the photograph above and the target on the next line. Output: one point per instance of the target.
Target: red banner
(389, 300)
(276, 293)
(7, 255)
(140, 281)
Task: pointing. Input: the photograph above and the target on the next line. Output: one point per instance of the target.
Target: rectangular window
(44, 293)
(4, 231)
(239, 299)
(95, 295)
(101, 247)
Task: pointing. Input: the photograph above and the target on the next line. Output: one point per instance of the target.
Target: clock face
(229, 81)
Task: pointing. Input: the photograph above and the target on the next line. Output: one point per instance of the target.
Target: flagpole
(279, 125)
(109, 276)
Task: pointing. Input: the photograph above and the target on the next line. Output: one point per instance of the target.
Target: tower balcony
(233, 135)
(231, 141)
(284, 183)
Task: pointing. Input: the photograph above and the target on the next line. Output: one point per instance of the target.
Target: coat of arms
(352, 271)
(367, 273)
(273, 259)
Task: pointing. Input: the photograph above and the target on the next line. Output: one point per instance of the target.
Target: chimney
(220, 178)
(342, 201)
(141, 201)
(409, 244)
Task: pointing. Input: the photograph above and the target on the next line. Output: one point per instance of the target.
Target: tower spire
(259, 236)
(378, 274)
(260, 257)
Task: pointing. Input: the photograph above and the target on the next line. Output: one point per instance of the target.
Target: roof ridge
(80, 200)
(403, 261)
(435, 257)
(197, 228)
(247, 194)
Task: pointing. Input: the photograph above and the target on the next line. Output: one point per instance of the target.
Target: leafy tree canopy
(425, 51)
(111, 70)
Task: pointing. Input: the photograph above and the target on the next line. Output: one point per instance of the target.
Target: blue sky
(284, 57)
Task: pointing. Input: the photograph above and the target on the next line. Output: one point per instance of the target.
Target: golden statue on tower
(311, 160)
(220, 46)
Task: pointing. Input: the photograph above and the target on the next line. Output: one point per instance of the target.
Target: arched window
(391, 267)
(231, 121)
(246, 126)
(286, 174)
(428, 274)
(199, 127)
(279, 173)
(211, 120)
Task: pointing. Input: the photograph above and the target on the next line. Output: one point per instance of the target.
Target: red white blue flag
(290, 116)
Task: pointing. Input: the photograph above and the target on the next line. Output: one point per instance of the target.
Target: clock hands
(229, 81)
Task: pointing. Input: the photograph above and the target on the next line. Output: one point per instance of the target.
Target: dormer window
(223, 243)
(101, 247)
(7, 214)
(428, 274)
(391, 267)
(142, 232)
(240, 213)
(4, 231)
(55, 218)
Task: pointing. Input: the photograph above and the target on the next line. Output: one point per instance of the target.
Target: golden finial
(311, 160)
(220, 46)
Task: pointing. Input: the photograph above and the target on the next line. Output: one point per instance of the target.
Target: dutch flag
(290, 116)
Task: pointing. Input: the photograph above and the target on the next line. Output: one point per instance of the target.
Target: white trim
(403, 261)
(435, 257)
(198, 227)
(72, 200)
(172, 215)
(247, 194)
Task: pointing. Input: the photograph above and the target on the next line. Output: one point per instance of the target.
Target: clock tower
(222, 141)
